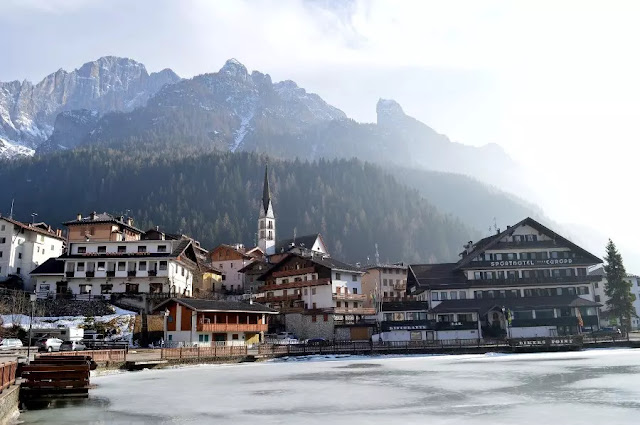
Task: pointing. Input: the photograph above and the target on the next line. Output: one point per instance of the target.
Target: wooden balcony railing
(301, 284)
(288, 297)
(349, 297)
(231, 327)
(285, 273)
(359, 310)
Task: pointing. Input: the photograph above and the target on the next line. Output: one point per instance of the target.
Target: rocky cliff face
(28, 112)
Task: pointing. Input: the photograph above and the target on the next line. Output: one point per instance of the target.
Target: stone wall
(9, 400)
(303, 326)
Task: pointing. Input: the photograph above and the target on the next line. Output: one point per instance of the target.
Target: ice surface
(598, 386)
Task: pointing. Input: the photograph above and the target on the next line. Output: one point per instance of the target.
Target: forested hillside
(215, 197)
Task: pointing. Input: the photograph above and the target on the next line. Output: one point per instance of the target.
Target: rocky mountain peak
(389, 111)
(234, 68)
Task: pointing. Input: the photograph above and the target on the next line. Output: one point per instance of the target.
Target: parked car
(49, 344)
(612, 332)
(285, 335)
(316, 341)
(10, 343)
(72, 346)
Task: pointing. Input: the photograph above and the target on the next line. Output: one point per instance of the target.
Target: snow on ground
(596, 386)
(244, 125)
(122, 320)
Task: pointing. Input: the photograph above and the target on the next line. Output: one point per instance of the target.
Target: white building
(23, 247)
(230, 260)
(601, 297)
(135, 266)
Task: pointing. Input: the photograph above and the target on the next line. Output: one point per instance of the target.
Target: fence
(98, 356)
(7, 374)
(203, 352)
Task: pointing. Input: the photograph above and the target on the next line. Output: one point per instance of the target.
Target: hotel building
(526, 281)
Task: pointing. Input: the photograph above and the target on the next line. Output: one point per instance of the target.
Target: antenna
(377, 255)
(295, 230)
(33, 217)
(11, 212)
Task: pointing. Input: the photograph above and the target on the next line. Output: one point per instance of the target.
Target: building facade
(204, 323)
(526, 281)
(23, 247)
(231, 260)
(606, 320)
(385, 283)
(317, 296)
(405, 321)
(102, 227)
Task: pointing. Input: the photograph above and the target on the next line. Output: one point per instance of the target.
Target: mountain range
(113, 100)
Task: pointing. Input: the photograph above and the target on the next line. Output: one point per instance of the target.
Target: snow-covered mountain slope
(28, 111)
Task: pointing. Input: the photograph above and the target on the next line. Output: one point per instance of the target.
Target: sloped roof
(266, 192)
(306, 241)
(488, 242)
(37, 229)
(405, 306)
(218, 305)
(435, 275)
(51, 266)
(103, 218)
(483, 305)
(324, 261)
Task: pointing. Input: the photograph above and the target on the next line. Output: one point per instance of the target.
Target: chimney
(92, 215)
(59, 233)
(49, 228)
(79, 217)
(129, 221)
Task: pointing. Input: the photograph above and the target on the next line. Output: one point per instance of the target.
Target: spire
(266, 193)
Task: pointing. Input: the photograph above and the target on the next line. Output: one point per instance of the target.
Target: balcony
(131, 273)
(231, 327)
(349, 297)
(533, 281)
(288, 297)
(402, 286)
(285, 273)
(454, 326)
(70, 274)
(301, 284)
(555, 321)
(90, 274)
(359, 310)
(152, 273)
(111, 273)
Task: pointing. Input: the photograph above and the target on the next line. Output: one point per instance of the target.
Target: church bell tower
(266, 220)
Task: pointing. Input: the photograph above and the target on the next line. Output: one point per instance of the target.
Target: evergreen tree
(618, 287)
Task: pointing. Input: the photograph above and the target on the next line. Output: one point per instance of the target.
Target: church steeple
(266, 193)
(267, 220)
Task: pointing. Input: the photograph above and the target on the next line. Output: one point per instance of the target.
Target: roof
(208, 268)
(218, 305)
(405, 306)
(254, 267)
(322, 260)
(435, 275)
(33, 228)
(599, 271)
(483, 305)
(242, 252)
(488, 242)
(306, 241)
(103, 218)
(266, 193)
(400, 266)
(51, 266)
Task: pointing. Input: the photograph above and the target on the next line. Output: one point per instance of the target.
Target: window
(19, 255)
(453, 295)
(355, 291)
(106, 288)
(306, 291)
(354, 277)
(582, 271)
(142, 248)
(477, 294)
(462, 295)
(203, 337)
(597, 298)
(2, 227)
(80, 267)
(338, 304)
(0, 254)
(101, 266)
(532, 238)
(446, 318)
(337, 276)
(443, 296)
(231, 265)
(384, 282)
(163, 248)
(527, 314)
(102, 249)
(82, 250)
(434, 296)
(544, 314)
(235, 336)
(181, 271)
(465, 317)
(18, 270)
(554, 254)
(313, 291)
(122, 249)
(121, 266)
(595, 284)
(142, 266)
(38, 250)
(477, 275)
(51, 247)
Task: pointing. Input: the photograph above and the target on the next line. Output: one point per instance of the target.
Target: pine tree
(618, 288)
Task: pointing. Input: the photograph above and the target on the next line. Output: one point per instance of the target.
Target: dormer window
(122, 249)
(82, 250)
(102, 249)
(142, 248)
(162, 248)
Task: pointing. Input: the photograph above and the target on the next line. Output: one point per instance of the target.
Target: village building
(525, 281)
(107, 255)
(251, 273)
(266, 220)
(205, 323)
(405, 321)
(231, 260)
(318, 297)
(385, 283)
(606, 319)
(24, 247)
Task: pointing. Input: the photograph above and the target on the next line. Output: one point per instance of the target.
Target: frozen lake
(598, 386)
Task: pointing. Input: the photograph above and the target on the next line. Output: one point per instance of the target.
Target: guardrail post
(198, 352)
(180, 353)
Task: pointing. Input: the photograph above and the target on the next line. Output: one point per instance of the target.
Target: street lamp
(32, 300)
(166, 325)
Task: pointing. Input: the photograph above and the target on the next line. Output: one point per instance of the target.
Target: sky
(555, 83)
